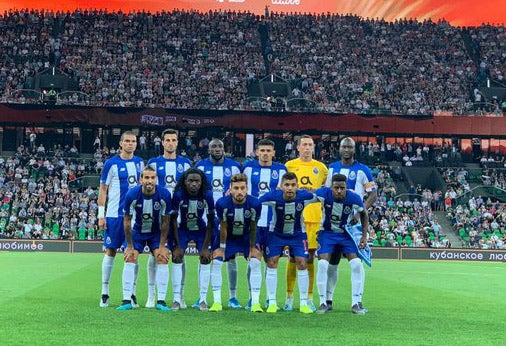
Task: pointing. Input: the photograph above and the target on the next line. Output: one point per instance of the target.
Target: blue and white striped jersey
(169, 171)
(120, 175)
(262, 179)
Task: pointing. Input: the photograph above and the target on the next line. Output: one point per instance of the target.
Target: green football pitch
(52, 299)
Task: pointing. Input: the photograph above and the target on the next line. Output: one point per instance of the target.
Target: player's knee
(160, 260)
(323, 265)
(301, 263)
(356, 264)
(254, 263)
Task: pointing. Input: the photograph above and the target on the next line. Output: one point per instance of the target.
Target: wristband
(223, 246)
(101, 212)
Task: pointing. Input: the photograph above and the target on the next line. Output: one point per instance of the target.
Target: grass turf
(52, 299)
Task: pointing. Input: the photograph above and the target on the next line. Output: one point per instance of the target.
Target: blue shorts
(329, 242)
(261, 237)
(186, 236)
(140, 241)
(297, 244)
(114, 235)
(235, 245)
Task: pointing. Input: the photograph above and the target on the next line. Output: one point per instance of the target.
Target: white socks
(255, 280)
(362, 282)
(356, 278)
(216, 280)
(128, 280)
(271, 283)
(162, 280)
(322, 279)
(177, 276)
(332, 278)
(107, 264)
(151, 276)
(232, 277)
(205, 275)
(303, 281)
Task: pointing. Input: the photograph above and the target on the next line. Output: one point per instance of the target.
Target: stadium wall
(420, 254)
(254, 121)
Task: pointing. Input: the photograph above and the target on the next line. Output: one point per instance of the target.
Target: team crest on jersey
(315, 170)
(347, 210)
(108, 240)
(157, 206)
(180, 168)
(247, 214)
(227, 172)
(200, 205)
(274, 175)
(299, 206)
(352, 175)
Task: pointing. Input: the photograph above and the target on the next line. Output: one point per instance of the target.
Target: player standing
(120, 173)
(311, 175)
(287, 229)
(339, 207)
(264, 175)
(169, 167)
(361, 181)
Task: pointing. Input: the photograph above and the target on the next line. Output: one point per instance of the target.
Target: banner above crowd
(458, 13)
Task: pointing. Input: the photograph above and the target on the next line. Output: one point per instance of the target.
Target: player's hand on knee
(219, 253)
(254, 253)
(177, 255)
(162, 255)
(205, 256)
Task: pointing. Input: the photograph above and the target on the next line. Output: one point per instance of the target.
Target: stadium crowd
(341, 63)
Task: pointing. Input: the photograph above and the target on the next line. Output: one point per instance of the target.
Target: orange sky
(457, 12)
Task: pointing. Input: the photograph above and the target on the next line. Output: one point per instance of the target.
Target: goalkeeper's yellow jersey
(311, 175)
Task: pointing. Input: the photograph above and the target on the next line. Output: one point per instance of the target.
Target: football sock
(310, 271)
(107, 264)
(151, 276)
(303, 280)
(216, 280)
(356, 265)
(177, 277)
(255, 279)
(162, 280)
(321, 279)
(205, 275)
(128, 280)
(362, 281)
(333, 277)
(232, 277)
(271, 283)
